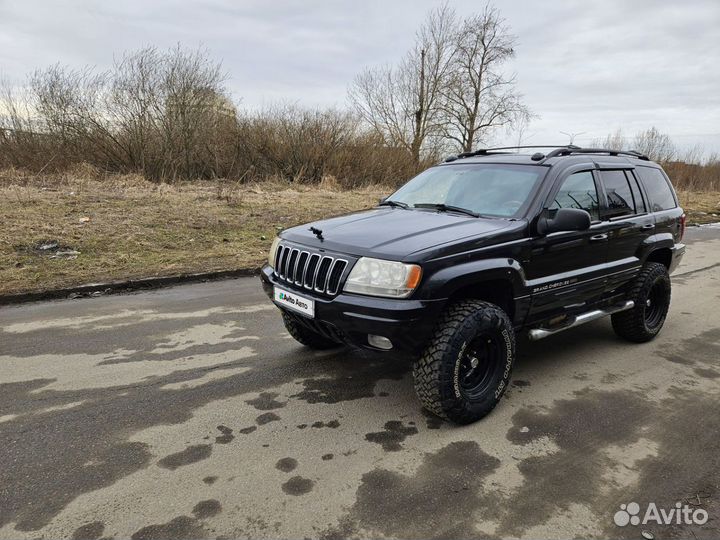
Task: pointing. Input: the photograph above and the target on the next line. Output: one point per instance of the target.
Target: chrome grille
(311, 271)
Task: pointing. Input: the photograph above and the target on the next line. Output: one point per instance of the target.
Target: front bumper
(351, 317)
(678, 250)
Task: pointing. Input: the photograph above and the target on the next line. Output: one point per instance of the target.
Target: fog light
(381, 342)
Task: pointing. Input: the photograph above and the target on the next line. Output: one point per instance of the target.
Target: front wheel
(651, 294)
(466, 368)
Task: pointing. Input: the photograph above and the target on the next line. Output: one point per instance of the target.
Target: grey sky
(582, 66)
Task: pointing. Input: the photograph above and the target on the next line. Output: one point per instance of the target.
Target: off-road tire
(637, 324)
(436, 372)
(307, 337)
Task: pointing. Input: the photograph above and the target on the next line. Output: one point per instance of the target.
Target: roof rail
(558, 150)
(500, 150)
(576, 150)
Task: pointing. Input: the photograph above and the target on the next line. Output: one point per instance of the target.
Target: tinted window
(617, 190)
(637, 196)
(577, 191)
(660, 195)
(488, 189)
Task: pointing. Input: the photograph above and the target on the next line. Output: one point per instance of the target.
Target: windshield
(489, 189)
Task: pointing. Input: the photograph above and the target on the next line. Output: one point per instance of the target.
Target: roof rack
(499, 150)
(558, 150)
(566, 151)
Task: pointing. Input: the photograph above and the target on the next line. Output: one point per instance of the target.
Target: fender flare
(654, 243)
(446, 281)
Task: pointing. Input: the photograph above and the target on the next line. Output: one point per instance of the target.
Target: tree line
(168, 115)
(689, 169)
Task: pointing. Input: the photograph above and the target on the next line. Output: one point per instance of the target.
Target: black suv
(472, 251)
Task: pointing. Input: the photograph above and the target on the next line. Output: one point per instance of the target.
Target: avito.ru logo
(629, 514)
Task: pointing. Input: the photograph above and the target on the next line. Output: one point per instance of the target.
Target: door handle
(649, 226)
(599, 238)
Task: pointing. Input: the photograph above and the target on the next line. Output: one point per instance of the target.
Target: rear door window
(659, 192)
(637, 195)
(618, 193)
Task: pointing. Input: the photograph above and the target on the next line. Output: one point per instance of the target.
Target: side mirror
(382, 200)
(566, 219)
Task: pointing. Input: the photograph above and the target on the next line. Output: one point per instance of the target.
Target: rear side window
(637, 196)
(618, 192)
(659, 192)
(577, 191)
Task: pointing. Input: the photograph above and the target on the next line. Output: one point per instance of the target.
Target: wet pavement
(189, 413)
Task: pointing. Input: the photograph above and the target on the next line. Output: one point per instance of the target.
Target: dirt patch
(207, 509)
(286, 464)
(179, 528)
(693, 349)
(89, 531)
(707, 373)
(332, 424)
(686, 467)
(351, 380)
(192, 454)
(226, 436)
(267, 418)
(443, 499)
(266, 401)
(390, 439)
(581, 428)
(298, 485)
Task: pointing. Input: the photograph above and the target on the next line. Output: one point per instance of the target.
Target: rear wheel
(306, 336)
(651, 294)
(466, 368)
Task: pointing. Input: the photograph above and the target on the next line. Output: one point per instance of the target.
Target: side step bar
(539, 333)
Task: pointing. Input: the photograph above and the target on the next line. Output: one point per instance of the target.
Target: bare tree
(19, 141)
(519, 130)
(403, 103)
(478, 96)
(193, 94)
(70, 106)
(657, 146)
(612, 141)
(135, 104)
(651, 142)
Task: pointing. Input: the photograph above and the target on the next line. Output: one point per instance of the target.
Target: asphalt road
(189, 412)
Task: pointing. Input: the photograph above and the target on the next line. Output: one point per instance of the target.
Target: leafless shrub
(688, 170)
(167, 116)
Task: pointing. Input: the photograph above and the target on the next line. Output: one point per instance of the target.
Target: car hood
(394, 233)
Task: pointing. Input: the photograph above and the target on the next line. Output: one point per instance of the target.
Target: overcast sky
(583, 66)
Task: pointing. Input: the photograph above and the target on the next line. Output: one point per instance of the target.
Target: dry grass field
(125, 227)
(95, 228)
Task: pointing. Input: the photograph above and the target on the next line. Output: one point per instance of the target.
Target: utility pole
(419, 114)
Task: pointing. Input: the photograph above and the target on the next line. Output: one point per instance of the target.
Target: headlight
(273, 252)
(376, 277)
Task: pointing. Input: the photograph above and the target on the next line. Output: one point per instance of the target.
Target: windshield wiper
(394, 204)
(441, 207)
